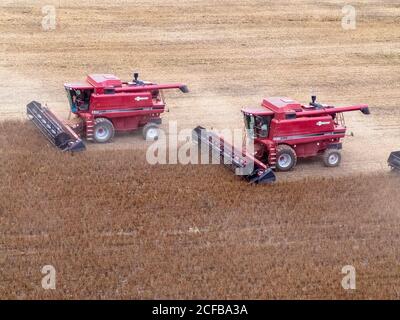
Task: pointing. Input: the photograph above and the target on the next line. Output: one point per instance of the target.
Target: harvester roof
(260, 111)
(103, 80)
(97, 81)
(281, 104)
(274, 105)
(285, 108)
(78, 85)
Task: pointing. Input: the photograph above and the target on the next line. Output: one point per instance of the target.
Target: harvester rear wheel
(103, 130)
(332, 158)
(150, 132)
(286, 158)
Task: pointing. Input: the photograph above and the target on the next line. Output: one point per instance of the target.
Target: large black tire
(332, 157)
(286, 158)
(150, 132)
(103, 130)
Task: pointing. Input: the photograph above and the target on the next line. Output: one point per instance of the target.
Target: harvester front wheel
(150, 132)
(286, 158)
(332, 158)
(103, 130)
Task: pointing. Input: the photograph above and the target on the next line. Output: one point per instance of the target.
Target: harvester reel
(58, 133)
(61, 140)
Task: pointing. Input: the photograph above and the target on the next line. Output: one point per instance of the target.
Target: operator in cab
(79, 100)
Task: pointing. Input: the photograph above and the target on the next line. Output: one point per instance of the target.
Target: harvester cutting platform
(102, 105)
(282, 131)
(394, 160)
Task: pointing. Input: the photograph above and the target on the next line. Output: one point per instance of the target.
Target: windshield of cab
(257, 126)
(70, 94)
(79, 99)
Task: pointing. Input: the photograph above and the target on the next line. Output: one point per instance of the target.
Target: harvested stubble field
(116, 227)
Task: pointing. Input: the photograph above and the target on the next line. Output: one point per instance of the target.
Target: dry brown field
(115, 227)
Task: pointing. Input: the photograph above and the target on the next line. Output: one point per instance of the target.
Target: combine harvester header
(237, 160)
(59, 134)
(394, 160)
(102, 105)
(282, 131)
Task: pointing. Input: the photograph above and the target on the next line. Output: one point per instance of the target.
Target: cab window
(257, 126)
(79, 99)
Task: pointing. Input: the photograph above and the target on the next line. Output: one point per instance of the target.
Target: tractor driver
(78, 101)
(262, 125)
(79, 98)
(73, 97)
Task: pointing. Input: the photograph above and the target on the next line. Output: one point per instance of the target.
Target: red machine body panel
(100, 81)
(309, 130)
(279, 105)
(282, 130)
(128, 105)
(127, 111)
(300, 127)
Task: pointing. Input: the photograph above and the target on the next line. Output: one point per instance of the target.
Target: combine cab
(282, 131)
(394, 160)
(102, 105)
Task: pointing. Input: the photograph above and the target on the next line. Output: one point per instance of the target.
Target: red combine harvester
(283, 130)
(102, 105)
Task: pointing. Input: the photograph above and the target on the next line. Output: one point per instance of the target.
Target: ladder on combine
(272, 157)
(340, 119)
(89, 128)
